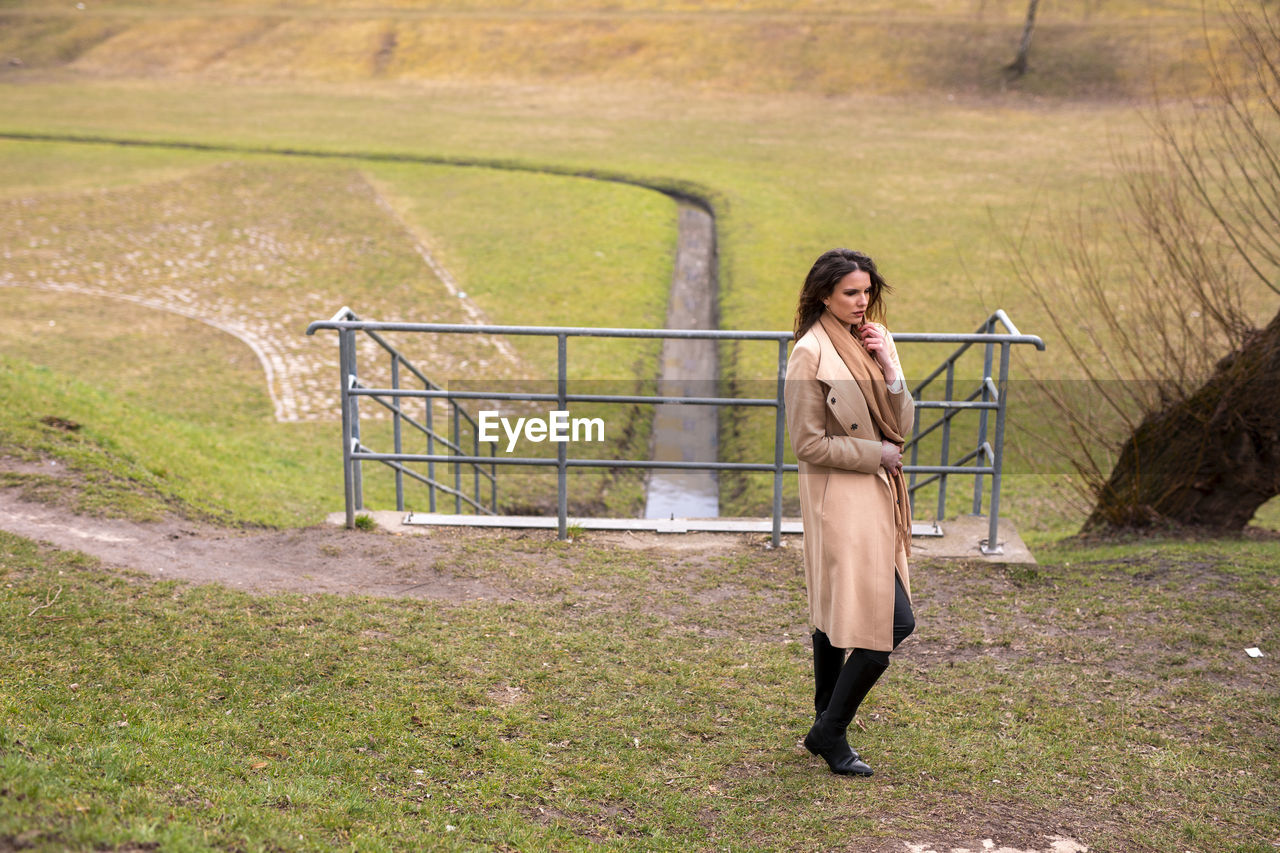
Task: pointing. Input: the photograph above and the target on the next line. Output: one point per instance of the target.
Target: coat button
(833, 399)
(855, 426)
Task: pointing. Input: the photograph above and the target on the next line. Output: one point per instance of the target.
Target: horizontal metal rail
(700, 334)
(569, 398)
(581, 462)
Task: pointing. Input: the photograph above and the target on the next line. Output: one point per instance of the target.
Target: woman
(848, 413)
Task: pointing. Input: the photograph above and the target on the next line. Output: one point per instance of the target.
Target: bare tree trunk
(1018, 67)
(1211, 459)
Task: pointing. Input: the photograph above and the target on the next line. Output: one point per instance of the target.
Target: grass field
(638, 700)
(297, 157)
(239, 249)
(788, 180)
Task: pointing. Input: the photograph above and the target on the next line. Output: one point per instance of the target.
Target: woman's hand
(890, 456)
(875, 340)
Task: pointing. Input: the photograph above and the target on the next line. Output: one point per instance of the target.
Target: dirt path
(434, 563)
(320, 559)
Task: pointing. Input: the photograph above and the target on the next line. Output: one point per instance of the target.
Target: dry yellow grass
(1081, 49)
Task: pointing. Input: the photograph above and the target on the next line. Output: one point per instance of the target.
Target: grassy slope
(790, 177)
(286, 258)
(542, 250)
(173, 416)
(1082, 48)
(617, 701)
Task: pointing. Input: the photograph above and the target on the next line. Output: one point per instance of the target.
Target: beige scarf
(870, 378)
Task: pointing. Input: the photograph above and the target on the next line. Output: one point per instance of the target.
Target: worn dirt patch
(313, 560)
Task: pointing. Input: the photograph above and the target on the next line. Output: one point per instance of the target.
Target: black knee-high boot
(827, 737)
(827, 661)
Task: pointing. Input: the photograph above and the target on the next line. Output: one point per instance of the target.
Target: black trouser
(904, 622)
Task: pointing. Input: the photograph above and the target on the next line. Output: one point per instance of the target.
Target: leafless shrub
(1158, 302)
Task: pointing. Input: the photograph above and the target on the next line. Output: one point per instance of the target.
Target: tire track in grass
(474, 315)
(235, 247)
(274, 362)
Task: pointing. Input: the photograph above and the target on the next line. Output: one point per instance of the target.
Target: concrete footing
(958, 538)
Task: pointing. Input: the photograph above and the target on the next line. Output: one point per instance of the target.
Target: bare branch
(1156, 299)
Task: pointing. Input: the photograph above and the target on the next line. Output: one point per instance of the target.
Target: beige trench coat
(846, 503)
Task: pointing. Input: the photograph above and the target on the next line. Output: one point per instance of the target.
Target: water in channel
(688, 432)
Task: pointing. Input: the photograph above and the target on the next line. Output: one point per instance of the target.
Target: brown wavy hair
(826, 273)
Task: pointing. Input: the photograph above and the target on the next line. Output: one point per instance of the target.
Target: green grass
(623, 698)
(638, 700)
(543, 250)
(136, 461)
(788, 178)
(28, 169)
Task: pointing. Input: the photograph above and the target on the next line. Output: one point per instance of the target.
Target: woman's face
(849, 298)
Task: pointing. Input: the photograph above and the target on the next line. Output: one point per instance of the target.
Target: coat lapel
(843, 394)
(831, 367)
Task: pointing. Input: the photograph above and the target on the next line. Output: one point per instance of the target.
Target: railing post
(988, 353)
(779, 436)
(915, 448)
(946, 440)
(357, 472)
(457, 466)
(993, 543)
(395, 430)
(431, 449)
(348, 474)
(475, 469)
(562, 451)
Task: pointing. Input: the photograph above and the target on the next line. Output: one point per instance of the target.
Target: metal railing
(351, 389)
(989, 395)
(990, 390)
(353, 450)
